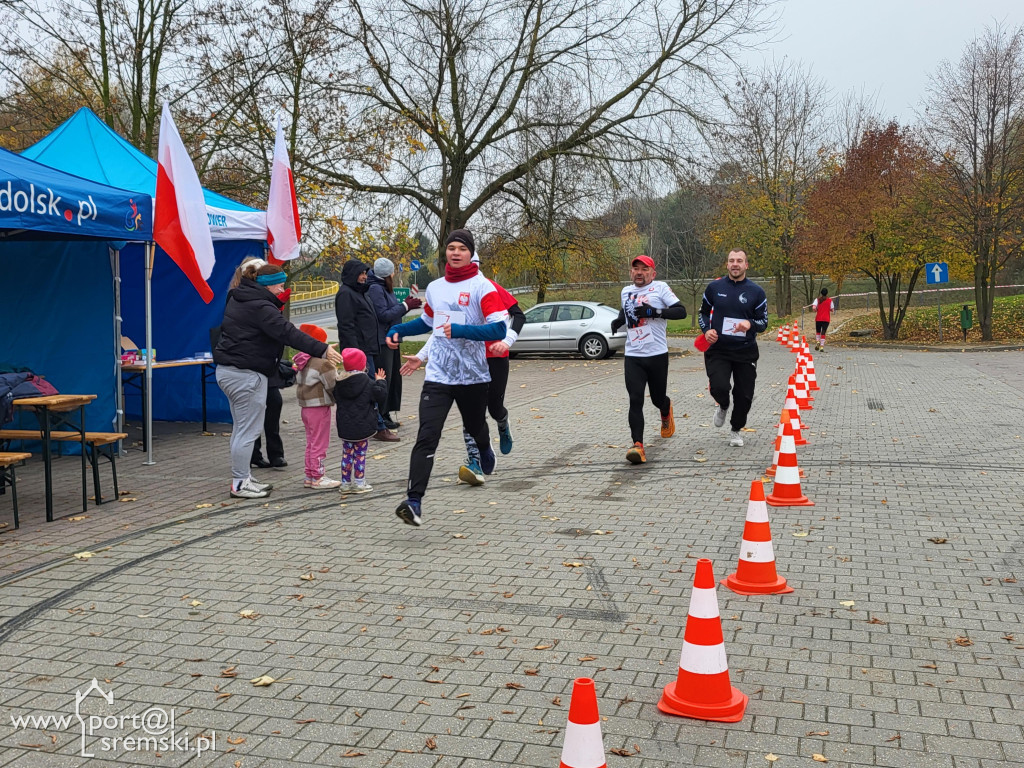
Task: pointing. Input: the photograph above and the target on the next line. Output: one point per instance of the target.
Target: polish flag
(180, 223)
(283, 228)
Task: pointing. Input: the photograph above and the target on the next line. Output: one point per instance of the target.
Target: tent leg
(147, 406)
(115, 257)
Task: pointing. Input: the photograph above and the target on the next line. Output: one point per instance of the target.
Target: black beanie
(463, 236)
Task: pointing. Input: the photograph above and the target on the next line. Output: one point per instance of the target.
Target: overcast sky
(887, 47)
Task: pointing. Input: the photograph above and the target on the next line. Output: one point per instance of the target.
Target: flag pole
(147, 406)
(115, 256)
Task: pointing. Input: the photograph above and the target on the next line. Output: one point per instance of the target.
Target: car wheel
(593, 347)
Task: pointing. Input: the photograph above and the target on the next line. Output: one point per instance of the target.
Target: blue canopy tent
(59, 236)
(88, 147)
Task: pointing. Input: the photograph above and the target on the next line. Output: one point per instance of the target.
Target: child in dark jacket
(355, 395)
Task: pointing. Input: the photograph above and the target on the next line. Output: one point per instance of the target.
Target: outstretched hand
(333, 356)
(380, 374)
(394, 341)
(411, 364)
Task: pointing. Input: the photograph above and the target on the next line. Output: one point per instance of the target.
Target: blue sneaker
(505, 433)
(471, 473)
(488, 460)
(409, 512)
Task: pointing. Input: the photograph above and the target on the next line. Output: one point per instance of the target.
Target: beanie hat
(315, 331)
(463, 236)
(383, 267)
(354, 359)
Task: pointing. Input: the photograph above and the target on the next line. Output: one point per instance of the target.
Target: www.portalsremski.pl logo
(151, 730)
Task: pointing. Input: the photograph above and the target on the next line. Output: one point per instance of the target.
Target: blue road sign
(414, 265)
(401, 266)
(937, 272)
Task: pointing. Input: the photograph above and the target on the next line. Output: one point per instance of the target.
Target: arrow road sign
(414, 265)
(937, 272)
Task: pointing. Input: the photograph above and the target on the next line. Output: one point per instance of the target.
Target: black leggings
(820, 326)
(271, 427)
(435, 403)
(498, 367)
(645, 373)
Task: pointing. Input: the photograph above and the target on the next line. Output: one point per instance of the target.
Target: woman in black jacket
(358, 327)
(252, 340)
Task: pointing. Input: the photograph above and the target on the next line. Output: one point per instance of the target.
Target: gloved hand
(413, 303)
(616, 324)
(647, 311)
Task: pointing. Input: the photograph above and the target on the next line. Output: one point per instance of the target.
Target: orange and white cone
(812, 380)
(781, 333)
(583, 747)
(785, 336)
(792, 407)
(702, 689)
(802, 386)
(786, 420)
(799, 391)
(786, 490)
(794, 344)
(755, 574)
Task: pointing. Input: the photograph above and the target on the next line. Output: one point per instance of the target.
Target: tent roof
(40, 202)
(86, 146)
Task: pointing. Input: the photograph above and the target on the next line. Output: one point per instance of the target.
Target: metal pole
(147, 406)
(119, 408)
(940, 318)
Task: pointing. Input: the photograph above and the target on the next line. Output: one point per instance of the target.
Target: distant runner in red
(823, 307)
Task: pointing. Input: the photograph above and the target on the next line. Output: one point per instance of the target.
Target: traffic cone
(583, 746)
(702, 689)
(786, 490)
(786, 420)
(785, 336)
(802, 386)
(812, 380)
(755, 574)
(781, 332)
(793, 408)
(799, 393)
(794, 345)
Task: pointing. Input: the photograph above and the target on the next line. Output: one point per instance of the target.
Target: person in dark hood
(390, 311)
(357, 325)
(252, 340)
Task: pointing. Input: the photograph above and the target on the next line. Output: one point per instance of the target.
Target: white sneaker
(261, 486)
(323, 483)
(344, 487)
(720, 416)
(736, 440)
(360, 488)
(249, 490)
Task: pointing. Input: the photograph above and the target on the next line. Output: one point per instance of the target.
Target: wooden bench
(98, 444)
(8, 480)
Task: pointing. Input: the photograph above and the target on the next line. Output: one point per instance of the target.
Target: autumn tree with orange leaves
(872, 215)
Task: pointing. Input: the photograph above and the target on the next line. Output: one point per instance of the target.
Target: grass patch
(921, 324)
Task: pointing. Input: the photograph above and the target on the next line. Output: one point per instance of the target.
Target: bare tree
(120, 57)
(774, 147)
(974, 118)
(458, 72)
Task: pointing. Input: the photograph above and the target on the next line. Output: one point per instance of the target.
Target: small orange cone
(786, 490)
(785, 420)
(799, 393)
(801, 386)
(755, 574)
(702, 689)
(792, 407)
(583, 747)
(794, 345)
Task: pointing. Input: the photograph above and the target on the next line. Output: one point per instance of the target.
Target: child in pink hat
(356, 416)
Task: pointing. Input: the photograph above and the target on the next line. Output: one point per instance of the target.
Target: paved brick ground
(401, 650)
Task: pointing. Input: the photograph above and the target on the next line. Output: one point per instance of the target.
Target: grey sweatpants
(247, 395)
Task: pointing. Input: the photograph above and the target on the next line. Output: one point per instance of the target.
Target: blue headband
(272, 279)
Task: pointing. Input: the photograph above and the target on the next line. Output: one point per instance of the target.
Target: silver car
(571, 326)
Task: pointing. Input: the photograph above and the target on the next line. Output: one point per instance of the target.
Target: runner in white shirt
(647, 306)
(464, 312)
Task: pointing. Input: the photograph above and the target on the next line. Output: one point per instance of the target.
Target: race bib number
(443, 317)
(729, 326)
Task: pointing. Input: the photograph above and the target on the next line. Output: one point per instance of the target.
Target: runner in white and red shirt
(479, 462)
(464, 311)
(647, 306)
(823, 307)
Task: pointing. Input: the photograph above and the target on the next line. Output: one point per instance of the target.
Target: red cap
(315, 331)
(646, 260)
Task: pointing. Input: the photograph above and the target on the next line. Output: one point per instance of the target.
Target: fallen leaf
(458, 535)
(203, 506)
(700, 459)
(239, 740)
(196, 603)
(847, 603)
(800, 534)
(819, 758)
(431, 743)
(587, 658)
(76, 518)
(83, 555)
(817, 733)
(938, 540)
(515, 686)
(307, 577)
(352, 752)
(541, 647)
(262, 681)
(248, 613)
(771, 758)
(962, 641)
(573, 565)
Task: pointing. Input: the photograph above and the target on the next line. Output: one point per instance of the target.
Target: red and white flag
(283, 228)
(180, 223)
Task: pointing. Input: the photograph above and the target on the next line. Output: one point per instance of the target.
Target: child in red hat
(314, 387)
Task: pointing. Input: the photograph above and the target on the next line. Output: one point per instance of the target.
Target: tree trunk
(542, 291)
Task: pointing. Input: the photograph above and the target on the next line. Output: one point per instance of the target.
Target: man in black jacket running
(733, 312)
